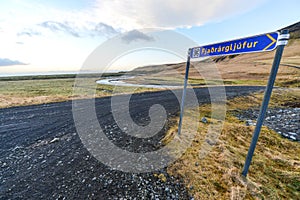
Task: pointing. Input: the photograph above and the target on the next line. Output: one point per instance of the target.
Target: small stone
(210, 142)
(250, 123)
(204, 120)
(291, 133)
(293, 138)
(162, 177)
(54, 140)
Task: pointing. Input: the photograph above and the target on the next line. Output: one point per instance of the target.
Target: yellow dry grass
(275, 169)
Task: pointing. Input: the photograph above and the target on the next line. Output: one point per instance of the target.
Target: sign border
(222, 54)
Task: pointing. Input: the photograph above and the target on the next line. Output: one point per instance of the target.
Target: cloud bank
(136, 35)
(59, 27)
(171, 14)
(62, 36)
(109, 17)
(8, 62)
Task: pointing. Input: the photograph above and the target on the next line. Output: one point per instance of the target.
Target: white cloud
(136, 35)
(9, 62)
(28, 32)
(55, 37)
(113, 16)
(131, 14)
(105, 29)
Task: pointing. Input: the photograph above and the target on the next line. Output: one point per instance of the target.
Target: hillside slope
(246, 67)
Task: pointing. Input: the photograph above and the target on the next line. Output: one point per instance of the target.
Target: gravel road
(42, 157)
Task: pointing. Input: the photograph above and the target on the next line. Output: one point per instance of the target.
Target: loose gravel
(285, 121)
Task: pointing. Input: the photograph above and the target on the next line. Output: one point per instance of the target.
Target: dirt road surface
(42, 156)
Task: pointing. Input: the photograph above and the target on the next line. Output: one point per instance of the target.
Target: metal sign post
(184, 90)
(283, 38)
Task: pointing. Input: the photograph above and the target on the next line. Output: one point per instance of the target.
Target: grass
(37, 91)
(28, 92)
(19, 91)
(165, 80)
(58, 76)
(275, 169)
(291, 82)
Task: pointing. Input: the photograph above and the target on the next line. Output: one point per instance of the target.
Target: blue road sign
(259, 43)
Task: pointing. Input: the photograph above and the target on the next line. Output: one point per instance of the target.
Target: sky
(47, 36)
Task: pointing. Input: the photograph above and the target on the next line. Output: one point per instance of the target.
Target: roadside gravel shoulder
(285, 120)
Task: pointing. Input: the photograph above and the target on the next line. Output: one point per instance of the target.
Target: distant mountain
(294, 30)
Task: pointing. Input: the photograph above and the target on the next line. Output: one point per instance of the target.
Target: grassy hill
(294, 30)
(238, 69)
